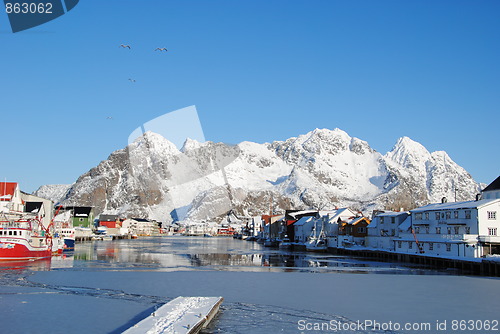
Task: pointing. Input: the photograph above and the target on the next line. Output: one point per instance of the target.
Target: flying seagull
(124, 46)
(131, 80)
(109, 117)
(161, 49)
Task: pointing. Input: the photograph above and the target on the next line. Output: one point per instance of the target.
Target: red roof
(7, 188)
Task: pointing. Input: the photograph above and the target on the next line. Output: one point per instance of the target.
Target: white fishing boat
(63, 225)
(317, 240)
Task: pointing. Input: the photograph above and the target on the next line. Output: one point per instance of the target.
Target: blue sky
(259, 70)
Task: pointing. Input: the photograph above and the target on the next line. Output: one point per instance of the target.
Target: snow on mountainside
(321, 169)
(53, 192)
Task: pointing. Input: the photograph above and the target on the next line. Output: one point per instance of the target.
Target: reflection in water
(198, 253)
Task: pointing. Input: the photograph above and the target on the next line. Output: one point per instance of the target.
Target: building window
(448, 247)
(361, 229)
(438, 230)
(427, 229)
(449, 230)
(437, 215)
(467, 230)
(393, 232)
(381, 220)
(455, 214)
(448, 214)
(492, 215)
(393, 220)
(431, 246)
(81, 219)
(417, 229)
(457, 229)
(418, 216)
(467, 214)
(410, 245)
(492, 231)
(427, 216)
(399, 244)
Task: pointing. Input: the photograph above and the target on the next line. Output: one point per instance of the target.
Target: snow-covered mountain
(54, 192)
(321, 169)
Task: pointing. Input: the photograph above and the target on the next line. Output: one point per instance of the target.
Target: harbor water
(107, 286)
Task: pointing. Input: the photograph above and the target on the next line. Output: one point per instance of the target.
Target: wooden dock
(186, 315)
(483, 267)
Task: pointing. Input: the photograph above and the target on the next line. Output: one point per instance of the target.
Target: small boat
(285, 243)
(63, 224)
(271, 242)
(69, 238)
(317, 240)
(316, 245)
(23, 237)
(106, 237)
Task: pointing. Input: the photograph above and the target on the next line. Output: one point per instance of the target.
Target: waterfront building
(353, 232)
(10, 197)
(492, 190)
(454, 230)
(384, 228)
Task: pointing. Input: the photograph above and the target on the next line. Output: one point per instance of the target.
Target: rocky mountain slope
(321, 169)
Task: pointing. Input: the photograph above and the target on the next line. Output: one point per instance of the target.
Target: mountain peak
(190, 144)
(409, 153)
(156, 142)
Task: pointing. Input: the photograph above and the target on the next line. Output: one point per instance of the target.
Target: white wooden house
(44, 207)
(468, 229)
(383, 229)
(139, 226)
(10, 197)
(492, 190)
(303, 228)
(332, 221)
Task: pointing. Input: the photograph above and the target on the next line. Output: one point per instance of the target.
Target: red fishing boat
(23, 237)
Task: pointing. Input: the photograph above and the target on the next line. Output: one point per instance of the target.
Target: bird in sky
(109, 117)
(124, 46)
(161, 49)
(131, 80)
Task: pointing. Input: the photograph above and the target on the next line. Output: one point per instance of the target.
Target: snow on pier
(181, 315)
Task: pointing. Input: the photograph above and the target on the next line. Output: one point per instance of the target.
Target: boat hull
(69, 244)
(20, 249)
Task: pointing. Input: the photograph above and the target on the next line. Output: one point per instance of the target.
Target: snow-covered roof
(391, 213)
(303, 212)
(455, 205)
(303, 220)
(356, 220)
(495, 185)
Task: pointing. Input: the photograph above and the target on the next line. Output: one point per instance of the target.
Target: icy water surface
(107, 286)
(228, 254)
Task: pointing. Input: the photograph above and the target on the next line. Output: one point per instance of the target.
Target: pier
(187, 315)
(481, 267)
